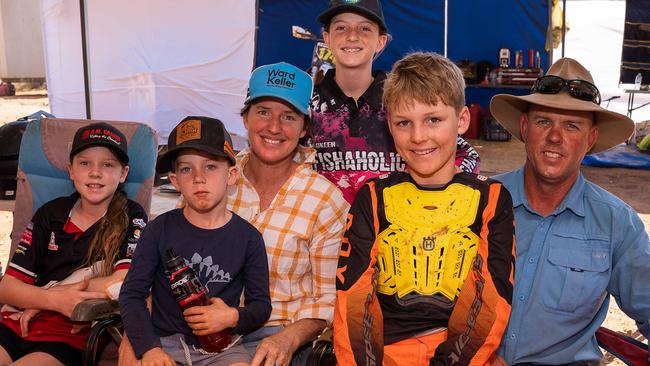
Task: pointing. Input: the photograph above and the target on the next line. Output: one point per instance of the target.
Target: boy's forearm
(22, 295)
(100, 283)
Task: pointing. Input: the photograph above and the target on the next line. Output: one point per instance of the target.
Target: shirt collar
(373, 95)
(305, 156)
(573, 200)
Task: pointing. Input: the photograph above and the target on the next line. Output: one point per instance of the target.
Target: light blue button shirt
(567, 264)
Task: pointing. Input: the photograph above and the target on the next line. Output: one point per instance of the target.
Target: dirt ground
(496, 157)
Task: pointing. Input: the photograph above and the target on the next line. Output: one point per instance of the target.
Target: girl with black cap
(89, 235)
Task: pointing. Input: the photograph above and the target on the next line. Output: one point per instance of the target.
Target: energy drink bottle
(188, 292)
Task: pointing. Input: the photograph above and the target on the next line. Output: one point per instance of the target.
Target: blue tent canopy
(476, 30)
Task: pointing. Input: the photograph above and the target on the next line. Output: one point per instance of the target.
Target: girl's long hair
(105, 244)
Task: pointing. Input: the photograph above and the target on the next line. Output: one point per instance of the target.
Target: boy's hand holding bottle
(211, 318)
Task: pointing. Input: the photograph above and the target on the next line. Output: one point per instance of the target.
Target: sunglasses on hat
(579, 89)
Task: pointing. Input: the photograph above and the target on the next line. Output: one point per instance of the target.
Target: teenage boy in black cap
(225, 251)
(350, 131)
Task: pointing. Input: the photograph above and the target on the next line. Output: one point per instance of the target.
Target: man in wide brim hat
(576, 242)
(613, 128)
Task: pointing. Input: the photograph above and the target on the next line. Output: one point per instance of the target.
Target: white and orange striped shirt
(302, 229)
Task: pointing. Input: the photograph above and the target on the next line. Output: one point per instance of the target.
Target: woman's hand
(27, 316)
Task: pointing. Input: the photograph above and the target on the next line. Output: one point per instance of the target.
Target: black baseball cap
(370, 9)
(199, 133)
(100, 134)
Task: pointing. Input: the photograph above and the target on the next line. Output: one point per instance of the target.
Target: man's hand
(27, 316)
(496, 360)
(275, 350)
(211, 318)
(126, 354)
(157, 357)
(66, 297)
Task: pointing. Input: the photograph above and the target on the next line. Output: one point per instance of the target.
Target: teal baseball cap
(283, 81)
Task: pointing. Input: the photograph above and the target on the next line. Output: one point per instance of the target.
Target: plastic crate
(493, 131)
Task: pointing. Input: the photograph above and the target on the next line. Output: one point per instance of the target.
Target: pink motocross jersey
(352, 139)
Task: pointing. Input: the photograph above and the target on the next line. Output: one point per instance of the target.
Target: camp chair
(629, 350)
(43, 176)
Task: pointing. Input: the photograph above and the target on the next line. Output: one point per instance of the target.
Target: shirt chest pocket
(577, 274)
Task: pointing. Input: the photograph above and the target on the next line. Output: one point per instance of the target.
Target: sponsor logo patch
(188, 130)
(26, 238)
(281, 78)
(52, 244)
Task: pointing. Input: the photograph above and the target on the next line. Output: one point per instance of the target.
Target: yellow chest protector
(428, 249)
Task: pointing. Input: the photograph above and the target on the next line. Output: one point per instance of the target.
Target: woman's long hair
(105, 244)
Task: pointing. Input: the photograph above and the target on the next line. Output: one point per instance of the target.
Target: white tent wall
(595, 38)
(152, 61)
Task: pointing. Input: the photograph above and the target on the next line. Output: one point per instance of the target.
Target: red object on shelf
(475, 121)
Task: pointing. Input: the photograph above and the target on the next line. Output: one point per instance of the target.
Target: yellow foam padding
(428, 248)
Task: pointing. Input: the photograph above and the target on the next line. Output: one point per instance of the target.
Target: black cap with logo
(199, 133)
(100, 134)
(370, 9)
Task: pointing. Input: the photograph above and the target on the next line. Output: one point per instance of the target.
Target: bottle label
(188, 300)
(185, 284)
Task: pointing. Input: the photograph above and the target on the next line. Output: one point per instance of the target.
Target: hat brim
(291, 101)
(164, 163)
(613, 128)
(121, 155)
(326, 16)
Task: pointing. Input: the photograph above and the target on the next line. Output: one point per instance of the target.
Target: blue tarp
(621, 156)
(477, 29)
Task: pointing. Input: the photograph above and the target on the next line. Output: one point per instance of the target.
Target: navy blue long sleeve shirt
(227, 260)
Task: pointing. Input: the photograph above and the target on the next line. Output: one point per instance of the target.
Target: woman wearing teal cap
(300, 214)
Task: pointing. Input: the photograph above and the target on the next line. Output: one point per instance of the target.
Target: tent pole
(549, 33)
(446, 30)
(84, 55)
(563, 25)
(257, 28)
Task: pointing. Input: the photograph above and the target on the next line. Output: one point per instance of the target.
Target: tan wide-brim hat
(613, 128)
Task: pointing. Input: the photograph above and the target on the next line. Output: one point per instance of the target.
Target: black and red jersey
(417, 260)
(50, 250)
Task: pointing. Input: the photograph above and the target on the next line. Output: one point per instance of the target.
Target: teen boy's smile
(425, 136)
(353, 39)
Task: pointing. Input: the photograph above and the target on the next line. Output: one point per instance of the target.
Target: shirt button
(513, 336)
(521, 297)
(531, 260)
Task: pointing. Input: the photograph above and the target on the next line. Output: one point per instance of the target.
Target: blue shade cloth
(567, 265)
(477, 29)
(621, 156)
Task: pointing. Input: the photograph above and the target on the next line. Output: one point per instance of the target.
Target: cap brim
(294, 103)
(164, 163)
(613, 128)
(121, 155)
(326, 16)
